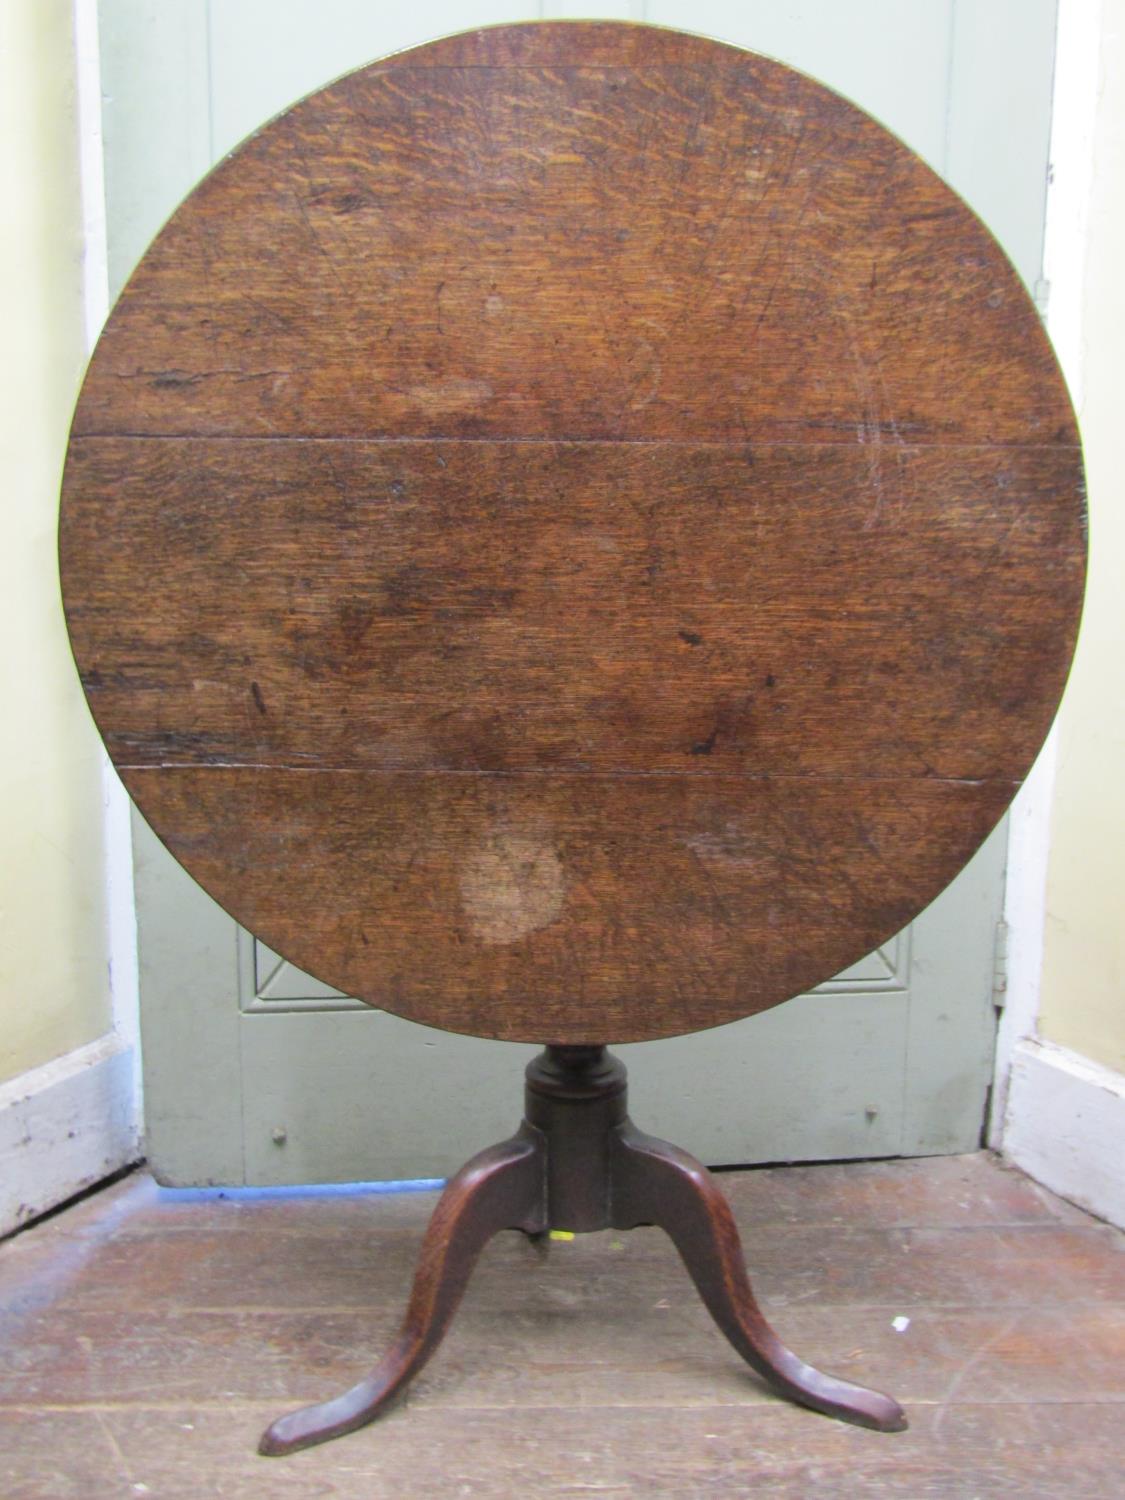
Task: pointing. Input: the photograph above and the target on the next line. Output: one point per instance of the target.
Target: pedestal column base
(578, 1163)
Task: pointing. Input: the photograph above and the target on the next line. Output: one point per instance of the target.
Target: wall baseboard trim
(64, 1127)
(1065, 1126)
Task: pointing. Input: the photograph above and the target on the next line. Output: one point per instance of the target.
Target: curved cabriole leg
(655, 1183)
(501, 1188)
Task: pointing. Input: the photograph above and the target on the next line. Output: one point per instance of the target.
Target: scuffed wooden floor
(147, 1339)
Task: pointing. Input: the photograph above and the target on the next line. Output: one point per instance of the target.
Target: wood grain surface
(573, 533)
(149, 1336)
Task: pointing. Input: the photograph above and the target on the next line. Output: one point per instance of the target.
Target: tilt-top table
(573, 533)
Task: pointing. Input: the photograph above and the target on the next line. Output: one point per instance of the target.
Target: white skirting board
(64, 1127)
(1065, 1126)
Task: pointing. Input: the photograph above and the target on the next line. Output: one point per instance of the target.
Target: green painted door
(257, 1073)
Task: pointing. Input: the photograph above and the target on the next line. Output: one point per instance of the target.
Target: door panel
(255, 1072)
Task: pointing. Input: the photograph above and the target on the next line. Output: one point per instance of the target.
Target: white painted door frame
(1057, 1115)
(72, 1122)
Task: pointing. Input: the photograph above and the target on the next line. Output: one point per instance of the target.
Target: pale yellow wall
(1083, 998)
(54, 990)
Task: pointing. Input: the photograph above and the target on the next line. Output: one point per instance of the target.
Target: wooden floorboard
(149, 1337)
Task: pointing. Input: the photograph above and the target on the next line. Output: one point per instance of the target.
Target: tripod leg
(655, 1183)
(501, 1188)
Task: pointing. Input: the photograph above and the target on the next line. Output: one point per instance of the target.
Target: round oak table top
(573, 533)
